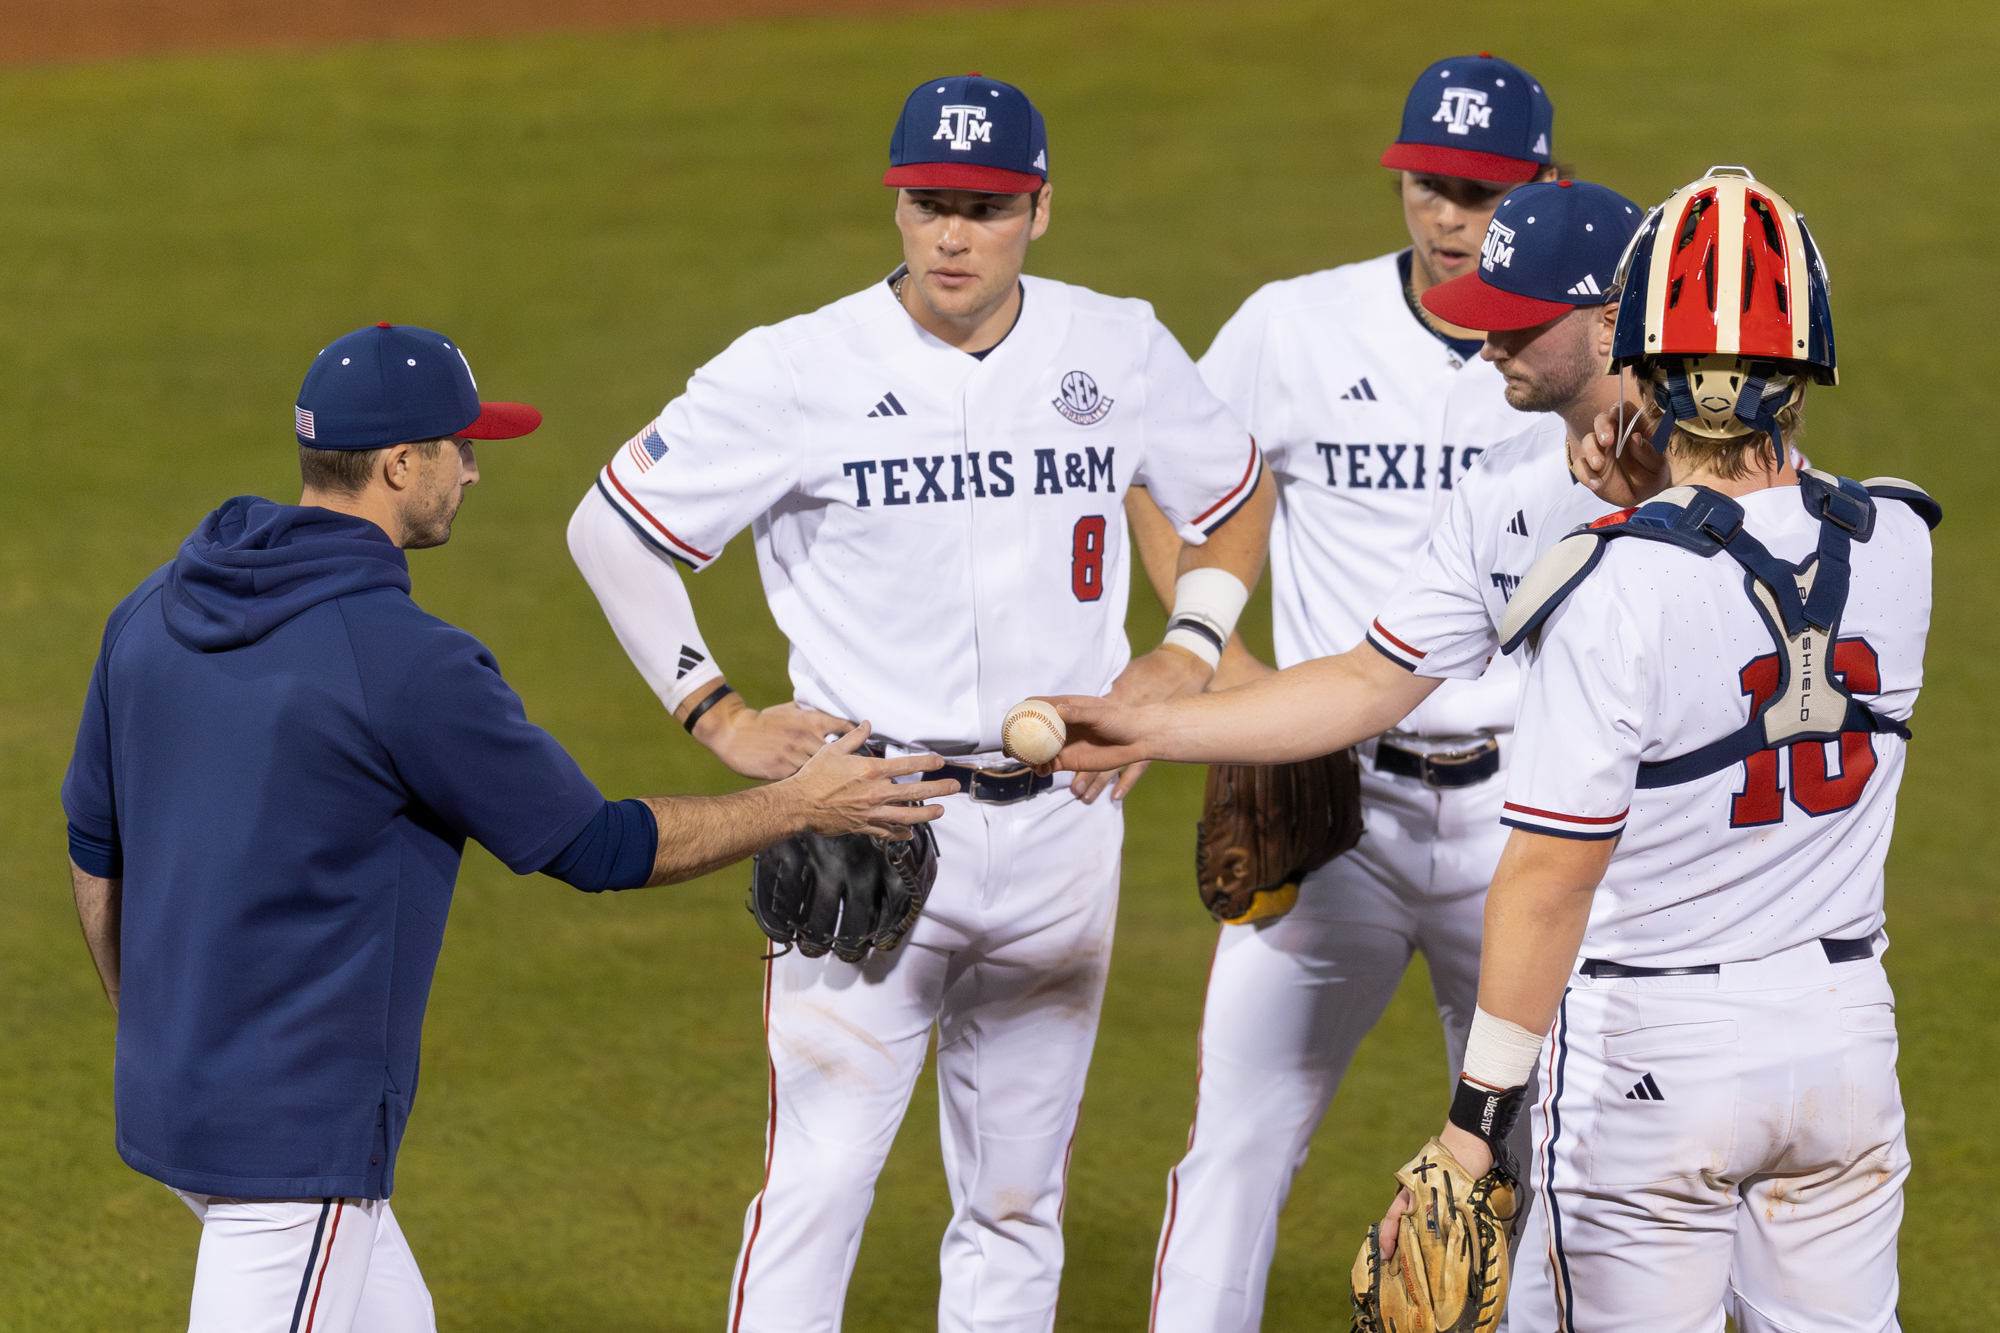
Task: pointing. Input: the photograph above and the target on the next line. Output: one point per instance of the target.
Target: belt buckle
(1002, 786)
(1449, 760)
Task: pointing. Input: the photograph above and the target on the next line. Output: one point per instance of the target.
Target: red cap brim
(961, 176)
(503, 421)
(1474, 304)
(1435, 161)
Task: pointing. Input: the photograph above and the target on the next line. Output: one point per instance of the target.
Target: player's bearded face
(965, 249)
(434, 499)
(1548, 366)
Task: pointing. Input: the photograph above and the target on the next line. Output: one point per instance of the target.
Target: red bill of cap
(503, 421)
(1463, 162)
(1472, 303)
(961, 176)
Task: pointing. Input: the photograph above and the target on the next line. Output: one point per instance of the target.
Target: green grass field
(595, 216)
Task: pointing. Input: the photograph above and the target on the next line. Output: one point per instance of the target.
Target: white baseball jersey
(1443, 617)
(1366, 419)
(940, 536)
(1659, 652)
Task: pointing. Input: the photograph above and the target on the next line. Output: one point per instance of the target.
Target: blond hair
(1730, 459)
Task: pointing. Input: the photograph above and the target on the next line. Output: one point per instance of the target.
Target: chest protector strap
(1801, 604)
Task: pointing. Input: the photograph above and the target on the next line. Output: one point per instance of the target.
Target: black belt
(993, 786)
(1837, 951)
(1450, 768)
(989, 786)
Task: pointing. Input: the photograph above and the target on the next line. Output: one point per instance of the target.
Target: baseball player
(1372, 406)
(1527, 493)
(932, 469)
(1690, 905)
(279, 762)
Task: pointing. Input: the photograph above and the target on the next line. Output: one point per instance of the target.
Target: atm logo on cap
(964, 126)
(1463, 108)
(1498, 247)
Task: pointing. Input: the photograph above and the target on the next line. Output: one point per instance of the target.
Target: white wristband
(1498, 1053)
(1207, 603)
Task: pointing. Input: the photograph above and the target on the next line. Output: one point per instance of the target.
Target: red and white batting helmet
(1723, 289)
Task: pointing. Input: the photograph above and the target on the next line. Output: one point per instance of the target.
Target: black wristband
(1201, 627)
(713, 698)
(1487, 1113)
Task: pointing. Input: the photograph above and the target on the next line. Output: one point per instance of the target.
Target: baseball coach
(280, 759)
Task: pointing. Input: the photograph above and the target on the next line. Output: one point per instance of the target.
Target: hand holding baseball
(1033, 732)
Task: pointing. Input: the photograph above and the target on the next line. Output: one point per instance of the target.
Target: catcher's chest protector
(1801, 604)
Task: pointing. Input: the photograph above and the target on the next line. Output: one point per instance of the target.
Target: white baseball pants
(304, 1266)
(1289, 1000)
(1008, 963)
(1724, 1145)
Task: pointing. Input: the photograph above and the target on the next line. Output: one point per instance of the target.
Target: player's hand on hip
(1623, 472)
(1090, 786)
(768, 743)
(1239, 666)
(845, 792)
(1168, 672)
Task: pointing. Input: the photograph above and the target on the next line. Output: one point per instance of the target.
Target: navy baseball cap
(395, 383)
(969, 133)
(1479, 117)
(1551, 247)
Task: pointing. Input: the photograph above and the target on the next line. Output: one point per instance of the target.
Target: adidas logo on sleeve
(690, 659)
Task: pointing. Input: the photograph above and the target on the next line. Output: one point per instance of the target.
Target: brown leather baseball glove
(1450, 1270)
(1264, 827)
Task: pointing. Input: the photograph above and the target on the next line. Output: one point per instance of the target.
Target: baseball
(1033, 732)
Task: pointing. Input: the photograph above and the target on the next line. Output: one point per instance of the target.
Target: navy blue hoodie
(290, 754)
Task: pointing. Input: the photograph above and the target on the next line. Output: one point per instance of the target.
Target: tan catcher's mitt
(1265, 827)
(1449, 1272)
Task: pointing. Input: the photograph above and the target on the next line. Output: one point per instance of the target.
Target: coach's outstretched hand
(768, 743)
(844, 792)
(836, 791)
(1624, 474)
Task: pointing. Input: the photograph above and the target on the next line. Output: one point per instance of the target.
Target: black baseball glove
(844, 894)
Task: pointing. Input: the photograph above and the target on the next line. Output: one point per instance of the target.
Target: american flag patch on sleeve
(646, 448)
(305, 422)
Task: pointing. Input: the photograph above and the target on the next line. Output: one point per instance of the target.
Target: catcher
(1685, 933)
